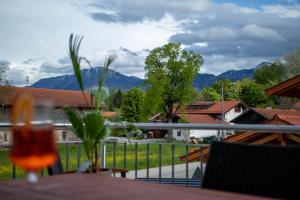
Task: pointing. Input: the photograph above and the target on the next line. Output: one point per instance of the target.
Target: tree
(114, 100)
(3, 68)
(253, 95)
(132, 106)
(209, 94)
(230, 90)
(292, 63)
(269, 75)
(170, 72)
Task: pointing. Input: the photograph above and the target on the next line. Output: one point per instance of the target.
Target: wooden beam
(281, 139)
(265, 139)
(294, 137)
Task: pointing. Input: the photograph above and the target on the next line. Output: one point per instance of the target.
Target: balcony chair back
(264, 170)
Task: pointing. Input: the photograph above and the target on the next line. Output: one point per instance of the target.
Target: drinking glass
(33, 144)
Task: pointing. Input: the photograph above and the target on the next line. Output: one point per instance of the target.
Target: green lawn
(6, 167)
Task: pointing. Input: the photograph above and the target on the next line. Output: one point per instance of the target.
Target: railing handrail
(192, 126)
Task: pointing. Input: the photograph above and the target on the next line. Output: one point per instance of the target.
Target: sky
(229, 34)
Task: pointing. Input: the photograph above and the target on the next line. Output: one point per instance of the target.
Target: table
(93, 186)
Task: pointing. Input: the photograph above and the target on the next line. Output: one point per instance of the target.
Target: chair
(57, 168)
(264, 170)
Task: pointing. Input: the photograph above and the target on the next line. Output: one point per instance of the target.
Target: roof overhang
(288, 88)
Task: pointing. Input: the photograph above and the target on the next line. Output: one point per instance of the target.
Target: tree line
(170, 72)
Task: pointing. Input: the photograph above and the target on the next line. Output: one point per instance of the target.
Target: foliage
(292, 63)
(230, 90)
(269, 75)
(3, 68)
(170, 72)
(253, 95)
(90, 126)
(114, 100)
(209, 94)
(132, 106)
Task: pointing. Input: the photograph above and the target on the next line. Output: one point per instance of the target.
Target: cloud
(210, 34)
(283, 11)
(51, 67)
(258, 32)
(138, 11)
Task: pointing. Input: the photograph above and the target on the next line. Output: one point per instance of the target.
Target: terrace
(116, 155)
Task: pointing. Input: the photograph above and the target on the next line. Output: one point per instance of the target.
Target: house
(259, 115)
(288, 88)
(205, 113)
(59, 99)
(289, 117)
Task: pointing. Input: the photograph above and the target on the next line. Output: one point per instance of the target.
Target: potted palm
(88, 126)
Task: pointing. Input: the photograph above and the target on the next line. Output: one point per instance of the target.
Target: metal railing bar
(136, 160)
(67, 156)
(201, 164)
(114, 158)
(187, 164)
(103, 152)
(147, 161)
(173, 162)
(192, 126)
(159, 163)
(78, 155)
(125, 155)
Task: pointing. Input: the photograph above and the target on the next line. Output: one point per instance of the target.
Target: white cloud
(283, 11)
(262, 33)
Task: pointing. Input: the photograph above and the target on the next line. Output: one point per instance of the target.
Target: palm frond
(108, 61)
(74, 44)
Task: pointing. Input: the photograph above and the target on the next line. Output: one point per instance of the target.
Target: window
(237, 109)
(178, 133)
(64, 135)
(5, 137)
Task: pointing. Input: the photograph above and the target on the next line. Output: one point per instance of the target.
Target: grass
(6, 167)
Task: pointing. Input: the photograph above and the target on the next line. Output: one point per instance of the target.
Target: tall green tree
(209, 94)
(269, 75)
(253, 95)
(170, 72)
(114, 100)
(230, 89)
(292, 63)
(132, 106)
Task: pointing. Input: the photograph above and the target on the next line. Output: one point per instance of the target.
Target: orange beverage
(33, 145)
(33, 148)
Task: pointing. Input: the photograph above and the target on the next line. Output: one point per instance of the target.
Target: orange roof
(270, 113)
(288, 88)
(202, 118)
(108, 114)
(213, 107)
(60, 98)
(292, 119)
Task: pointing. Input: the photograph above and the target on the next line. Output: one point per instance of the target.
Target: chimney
(269, 108)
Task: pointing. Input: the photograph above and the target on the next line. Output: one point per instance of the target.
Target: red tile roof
(292, 119)
(108, 114)
(288, 88)
(202, 118)
(214, 108)
(60, 98)
(270, 113)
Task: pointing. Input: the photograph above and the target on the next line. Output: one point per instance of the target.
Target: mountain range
(117, 80)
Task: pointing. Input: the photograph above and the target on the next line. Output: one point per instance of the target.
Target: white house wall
(231, 114)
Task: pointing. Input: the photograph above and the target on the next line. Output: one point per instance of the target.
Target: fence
(283, 129)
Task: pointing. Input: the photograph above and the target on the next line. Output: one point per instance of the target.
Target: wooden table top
(93, 186)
